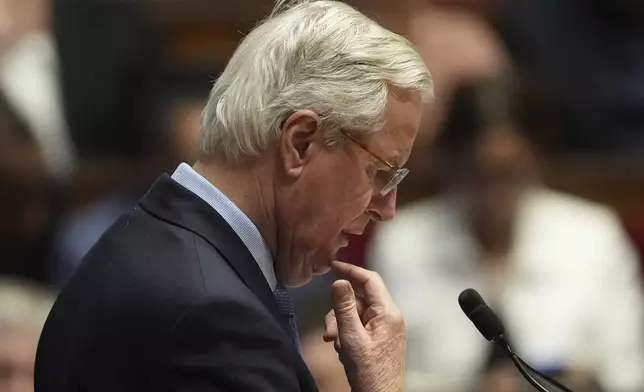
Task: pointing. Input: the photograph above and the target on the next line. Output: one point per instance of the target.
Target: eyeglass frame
(397, 173)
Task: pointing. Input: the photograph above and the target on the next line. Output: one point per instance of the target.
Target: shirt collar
(240, 223)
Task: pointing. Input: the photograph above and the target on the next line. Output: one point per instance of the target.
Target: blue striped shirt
(243, 226)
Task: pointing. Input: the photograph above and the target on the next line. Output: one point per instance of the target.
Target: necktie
(285, 304)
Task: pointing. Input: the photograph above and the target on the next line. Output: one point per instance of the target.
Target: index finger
(369, 282)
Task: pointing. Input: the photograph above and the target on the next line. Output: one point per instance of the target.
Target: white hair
(323, 56)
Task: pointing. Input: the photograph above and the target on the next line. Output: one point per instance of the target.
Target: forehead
(404, 112)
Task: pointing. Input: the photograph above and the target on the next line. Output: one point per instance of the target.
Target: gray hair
(323, 56)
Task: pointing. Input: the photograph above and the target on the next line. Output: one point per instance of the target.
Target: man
(303, 141)
(26, 203)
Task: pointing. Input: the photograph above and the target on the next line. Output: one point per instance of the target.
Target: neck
(494, 239)
(245, 185)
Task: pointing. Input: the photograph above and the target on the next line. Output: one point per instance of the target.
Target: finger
(346, 309)
(331, 323)
(369, 282)
(330, 327)
(360, 305)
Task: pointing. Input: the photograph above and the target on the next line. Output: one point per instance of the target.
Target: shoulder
(570, 215)
(565, 232)
(144, 266)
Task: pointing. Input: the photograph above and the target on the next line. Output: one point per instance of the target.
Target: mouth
(344, 239)
(353, 232)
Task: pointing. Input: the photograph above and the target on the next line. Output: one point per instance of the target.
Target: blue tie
(285, 304)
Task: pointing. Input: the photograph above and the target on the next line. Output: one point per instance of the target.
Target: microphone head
(481, 315)
(470, 299)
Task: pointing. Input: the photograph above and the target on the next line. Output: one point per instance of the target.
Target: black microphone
(491, 327)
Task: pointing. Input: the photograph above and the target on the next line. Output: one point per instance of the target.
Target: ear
(299, 132)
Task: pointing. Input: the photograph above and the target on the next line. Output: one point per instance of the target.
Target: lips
(357, 226)
(354, 232)
(344, 240)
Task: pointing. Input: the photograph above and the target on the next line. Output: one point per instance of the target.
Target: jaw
(293, 272)
(299, 266)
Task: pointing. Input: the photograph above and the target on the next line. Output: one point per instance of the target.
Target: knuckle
(345, 307)
(398, 316)
(395, 317)
(399, 321)
(378, 279)
(374, 275)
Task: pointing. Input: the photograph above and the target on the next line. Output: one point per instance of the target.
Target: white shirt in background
(571, 295)
(29, 78)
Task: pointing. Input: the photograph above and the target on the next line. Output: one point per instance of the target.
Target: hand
(368, 330)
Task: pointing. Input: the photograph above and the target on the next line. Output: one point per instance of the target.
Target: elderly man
(303, 142)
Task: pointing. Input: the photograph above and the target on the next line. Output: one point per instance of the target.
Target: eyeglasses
(395, 174)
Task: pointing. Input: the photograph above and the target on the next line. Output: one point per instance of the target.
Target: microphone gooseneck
(491, 327)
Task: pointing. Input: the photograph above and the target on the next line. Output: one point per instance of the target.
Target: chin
(322, 270)
(319, 265)
(322, 264)
(303, 274)
(316, 263)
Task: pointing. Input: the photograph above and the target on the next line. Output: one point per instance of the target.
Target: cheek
(351, 198)
(335, 192)
(340, 204)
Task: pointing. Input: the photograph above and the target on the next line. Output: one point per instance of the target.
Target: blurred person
(322, 360)
(312, 302)
(475, 50)
(304, 138)
(585, 54)
(457, 45)
(54, 56)
(112, 47)
(185, 93)
(29, 78)
(588, 57)
(26, 204)
(559, 270)
(23, 310)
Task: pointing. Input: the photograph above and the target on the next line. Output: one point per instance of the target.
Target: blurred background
(526, 182)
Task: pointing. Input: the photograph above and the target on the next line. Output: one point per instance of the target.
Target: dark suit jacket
(169, 299)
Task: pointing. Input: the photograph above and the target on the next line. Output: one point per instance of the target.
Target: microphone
(491, 327)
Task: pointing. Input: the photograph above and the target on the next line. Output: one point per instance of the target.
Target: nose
(382, 208)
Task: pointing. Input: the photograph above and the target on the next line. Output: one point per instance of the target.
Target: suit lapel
(171, 202)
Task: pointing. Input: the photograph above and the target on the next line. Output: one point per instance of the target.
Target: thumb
(345, 307)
